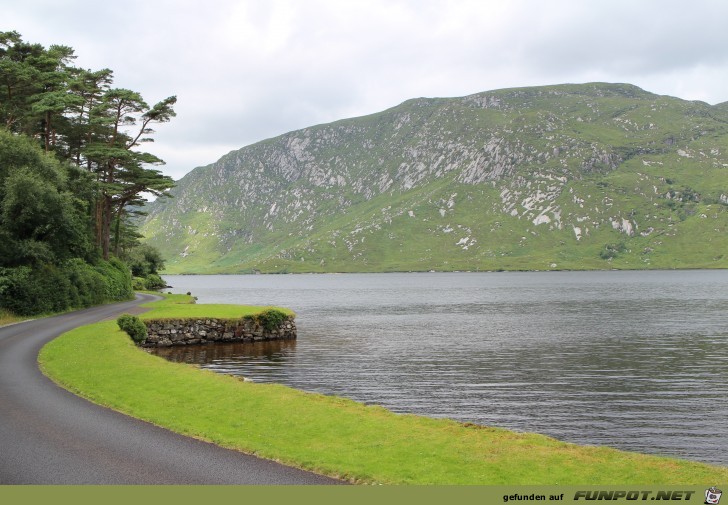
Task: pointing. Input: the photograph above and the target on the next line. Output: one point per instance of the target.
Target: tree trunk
(106, 228)
(117, 229)
(98, 221)
(107, 213)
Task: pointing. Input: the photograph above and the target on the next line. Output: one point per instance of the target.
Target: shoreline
(336, 436)
(688, 269)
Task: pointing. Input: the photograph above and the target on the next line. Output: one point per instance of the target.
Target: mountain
(587, 176)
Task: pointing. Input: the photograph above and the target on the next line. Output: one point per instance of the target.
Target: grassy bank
(182, 306)
(7, 317)
(331, 435)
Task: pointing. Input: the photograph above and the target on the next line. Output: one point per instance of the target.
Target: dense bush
(143, 260)
(88, 286)
(133, 326)
(27, 291)
(270, 319)
(55, 214)
(151, 282)
(154, 281)
(42, 219)
(118, 279)
(611, 251)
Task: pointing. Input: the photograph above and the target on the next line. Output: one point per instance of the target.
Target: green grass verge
(331, 435)
(7, 317)
(183, 306)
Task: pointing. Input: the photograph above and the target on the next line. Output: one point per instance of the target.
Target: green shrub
(270, 319)
(611, 251)
(118, 279)
(133, 326)
(154, 281)
(138, 284)
(88, 285)
(75, 284)
(150, 282)
(143, 260)
(28, 291)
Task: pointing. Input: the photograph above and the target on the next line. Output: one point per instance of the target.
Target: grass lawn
(331, 435)
(179, 307)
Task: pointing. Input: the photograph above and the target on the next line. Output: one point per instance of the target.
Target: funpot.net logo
(712, 496)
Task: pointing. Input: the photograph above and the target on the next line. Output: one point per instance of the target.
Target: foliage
(27, 291)
(270, 319)
(7, 317)
(69, 169)
(154, 281)
(145, 262)
(151, 282)
(47, 257)
(17, 151)
(143, 259)
(81, 119)
(133, 326)
(118, 277)
(611, 251)
(90, 284)
(41, 219)
(48, 288)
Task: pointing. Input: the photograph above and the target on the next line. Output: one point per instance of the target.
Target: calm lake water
(634, 360)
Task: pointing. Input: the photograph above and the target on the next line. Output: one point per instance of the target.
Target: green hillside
(592, 176)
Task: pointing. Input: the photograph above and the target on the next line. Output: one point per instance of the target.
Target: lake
(633, 360)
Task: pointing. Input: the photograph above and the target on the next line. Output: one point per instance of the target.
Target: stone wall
(166, 333)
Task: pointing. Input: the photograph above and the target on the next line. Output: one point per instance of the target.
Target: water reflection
(233, 358)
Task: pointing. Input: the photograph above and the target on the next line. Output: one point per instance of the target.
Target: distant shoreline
(458, 271)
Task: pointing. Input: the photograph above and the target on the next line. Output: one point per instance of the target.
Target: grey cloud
(627, 37)
(244, 71)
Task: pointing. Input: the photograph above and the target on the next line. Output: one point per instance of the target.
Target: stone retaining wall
(166, 333)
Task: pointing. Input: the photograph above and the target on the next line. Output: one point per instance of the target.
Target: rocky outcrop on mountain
(570, 176)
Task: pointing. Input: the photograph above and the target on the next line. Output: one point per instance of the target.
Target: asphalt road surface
(50, 436)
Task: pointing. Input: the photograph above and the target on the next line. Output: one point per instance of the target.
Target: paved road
(50, 436)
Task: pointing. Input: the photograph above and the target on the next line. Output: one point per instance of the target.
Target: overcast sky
(247, 70)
